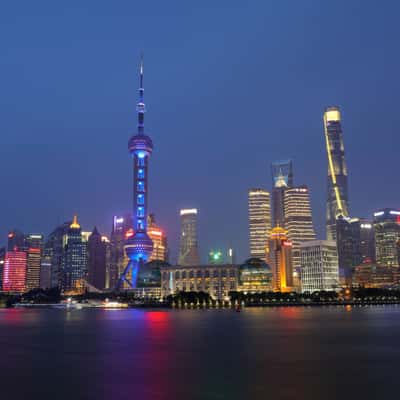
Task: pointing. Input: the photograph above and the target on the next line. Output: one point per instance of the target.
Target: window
(215, 274)
(140, 186)
(140, 212)
(198, 273)
(232, 273)
(140, 224)
(183, 274)
(140, 162)
(177, 275)
(191, 274)
(140, 199)
(140, 173)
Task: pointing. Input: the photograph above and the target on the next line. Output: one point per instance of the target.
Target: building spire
(140, 107)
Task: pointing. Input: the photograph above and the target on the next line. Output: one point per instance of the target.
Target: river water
(260, 353)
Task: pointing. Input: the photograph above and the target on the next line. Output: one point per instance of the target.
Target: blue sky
(230, 86)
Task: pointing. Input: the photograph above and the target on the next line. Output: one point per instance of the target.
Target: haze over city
(224, 100)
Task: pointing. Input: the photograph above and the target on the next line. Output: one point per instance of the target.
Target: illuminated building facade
(14, 273)
(255, 275)
(374, 276)
(2, 260)
(33, 247)
(367, 242)
(217, 280)
(337, 200)
(97, 260)
(74, 263)
(319, 266)
(298, 219)
(280, 259)
(139, 246)
(259, 205)
(122, 226)
(45, 271)
(387, 237)
(282, 178)
(188, 246)
(159, 238)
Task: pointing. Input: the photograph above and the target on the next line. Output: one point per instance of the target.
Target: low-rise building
(217, 280)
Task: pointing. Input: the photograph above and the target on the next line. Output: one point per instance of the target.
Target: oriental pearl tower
(139, 246)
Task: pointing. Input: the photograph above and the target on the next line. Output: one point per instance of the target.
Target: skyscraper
(280, 259)
(282, 178)
(14, 274)
(298, 219)
(387, 237)
(367, 241)
(139, 246)
(159, 238)
(54, 250)
(188, 247)
(259, 205)
(348, 247)
(122, 225)
(337, 200)
(74, 263)
(319, 261)
(2, 260)
(33, 247)
(97, 257)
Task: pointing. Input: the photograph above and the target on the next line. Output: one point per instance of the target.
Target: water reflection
(284, 353)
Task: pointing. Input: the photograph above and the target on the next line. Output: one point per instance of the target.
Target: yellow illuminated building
(280, 259)
(259, 204)
(159, 239)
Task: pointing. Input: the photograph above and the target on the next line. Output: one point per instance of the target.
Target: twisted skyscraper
(337, 201)
(139, 246)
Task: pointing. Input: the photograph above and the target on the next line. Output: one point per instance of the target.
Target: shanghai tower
(139, 246)
(337, 200)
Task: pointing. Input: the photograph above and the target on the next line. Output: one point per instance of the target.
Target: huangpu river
(259, 353)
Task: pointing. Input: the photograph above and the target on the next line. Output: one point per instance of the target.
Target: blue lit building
(139, 246)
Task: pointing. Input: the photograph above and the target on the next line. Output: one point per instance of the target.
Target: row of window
(201, 274)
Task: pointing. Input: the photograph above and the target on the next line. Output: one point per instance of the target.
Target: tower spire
(140, 106)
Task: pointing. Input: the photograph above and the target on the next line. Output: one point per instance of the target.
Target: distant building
(122, 228)
(14, 273)
(280, 259)
(259, 206)
(337, 199)
(374, 276)
(2, 260)
(217, 280)
(348, 247)
(33, 248)
(319, 266)
(255, 275)
(282, 178)
(16, 239)
(298, 219)
(188, 248)
(159, 238)
(97, 259)
(45, 272)
(367, 241)
(54, 250)
(74, 263)
(387, 237)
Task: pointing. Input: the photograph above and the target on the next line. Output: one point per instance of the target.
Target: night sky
(230, 86)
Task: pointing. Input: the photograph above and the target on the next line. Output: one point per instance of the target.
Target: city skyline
(55, 127)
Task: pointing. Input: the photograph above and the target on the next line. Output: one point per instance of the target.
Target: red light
(33, 250)
(398, 219)
(129, 233)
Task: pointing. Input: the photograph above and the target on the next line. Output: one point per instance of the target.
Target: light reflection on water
(286, 353)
